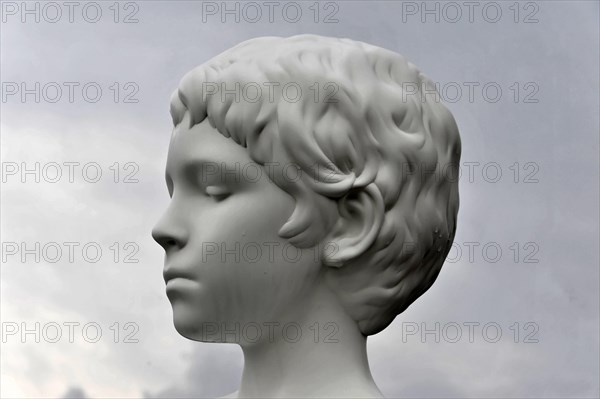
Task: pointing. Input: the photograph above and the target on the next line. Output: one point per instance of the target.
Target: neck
(315, 351)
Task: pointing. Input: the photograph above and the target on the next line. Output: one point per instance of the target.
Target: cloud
(75, 393)
(559, 213)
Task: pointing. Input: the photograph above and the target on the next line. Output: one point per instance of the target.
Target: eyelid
(218, 192)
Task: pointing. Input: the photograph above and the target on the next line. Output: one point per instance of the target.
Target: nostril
(170, 243)
(170, 234)
(165, 240)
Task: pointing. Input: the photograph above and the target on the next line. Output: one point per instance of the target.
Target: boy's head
(359, 160)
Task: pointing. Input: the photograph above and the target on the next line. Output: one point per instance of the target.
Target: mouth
(170, 273)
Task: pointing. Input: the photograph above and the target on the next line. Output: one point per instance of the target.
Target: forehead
(202, 143)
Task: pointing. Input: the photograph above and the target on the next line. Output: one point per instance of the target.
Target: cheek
(244, 278)
(249, 272)
(245, 227)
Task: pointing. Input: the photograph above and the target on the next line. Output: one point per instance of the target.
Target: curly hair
(364, 129)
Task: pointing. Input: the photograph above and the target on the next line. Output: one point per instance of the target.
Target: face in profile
(224, 260)
(246, 244)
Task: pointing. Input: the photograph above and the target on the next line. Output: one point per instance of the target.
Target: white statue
(314, 196)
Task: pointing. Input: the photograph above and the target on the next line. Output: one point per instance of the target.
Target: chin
(194, 331)
(190, 327)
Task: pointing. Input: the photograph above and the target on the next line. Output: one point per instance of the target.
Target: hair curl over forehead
(380, 125)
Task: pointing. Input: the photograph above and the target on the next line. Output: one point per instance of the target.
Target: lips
(171, 273)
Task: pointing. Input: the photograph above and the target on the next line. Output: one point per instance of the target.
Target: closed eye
(217, 192)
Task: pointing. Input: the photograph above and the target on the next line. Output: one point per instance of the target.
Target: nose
(168, 233)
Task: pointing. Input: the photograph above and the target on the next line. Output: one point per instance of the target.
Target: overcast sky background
(554, 220)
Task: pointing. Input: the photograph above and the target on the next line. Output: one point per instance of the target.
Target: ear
(361, 216)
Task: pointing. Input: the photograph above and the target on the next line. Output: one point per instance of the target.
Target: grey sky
(550, 212)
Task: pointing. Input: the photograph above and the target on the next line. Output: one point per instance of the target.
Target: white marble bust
(314, 197)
